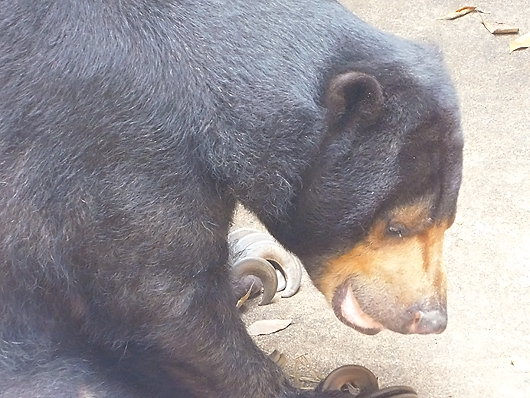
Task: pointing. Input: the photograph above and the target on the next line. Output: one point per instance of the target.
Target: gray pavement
(487, 251)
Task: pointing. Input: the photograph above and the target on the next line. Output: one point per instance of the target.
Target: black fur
(128, 131)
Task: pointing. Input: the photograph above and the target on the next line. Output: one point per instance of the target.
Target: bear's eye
(396, 230)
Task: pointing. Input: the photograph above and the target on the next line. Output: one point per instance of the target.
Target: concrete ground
(487, 343)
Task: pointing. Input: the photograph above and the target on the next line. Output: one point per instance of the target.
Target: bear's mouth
(348, 310)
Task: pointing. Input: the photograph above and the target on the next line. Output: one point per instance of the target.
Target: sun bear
(130, 129)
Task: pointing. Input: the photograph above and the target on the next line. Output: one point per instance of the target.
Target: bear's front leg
(189, 336)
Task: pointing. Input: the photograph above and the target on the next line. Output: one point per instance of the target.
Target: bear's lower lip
(348, 310)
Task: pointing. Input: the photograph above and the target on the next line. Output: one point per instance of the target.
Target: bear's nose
(427, 322)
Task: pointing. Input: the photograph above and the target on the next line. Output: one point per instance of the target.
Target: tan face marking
(397, 265)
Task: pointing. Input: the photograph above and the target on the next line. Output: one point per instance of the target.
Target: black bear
(129, 129)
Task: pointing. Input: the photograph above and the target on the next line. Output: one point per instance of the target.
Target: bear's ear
(353, 97)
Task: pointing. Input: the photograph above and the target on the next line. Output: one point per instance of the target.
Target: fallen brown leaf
(459, 13)
(521, 42)
(243, 299)
(268, 326)
(498, 28)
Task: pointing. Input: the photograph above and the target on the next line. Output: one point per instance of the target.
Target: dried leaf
(459, 13)
(243, 299)
(520, 364)
(521, 42)
(268, 326)
(498, 28)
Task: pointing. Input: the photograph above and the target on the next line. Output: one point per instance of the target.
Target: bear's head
(370, 220)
